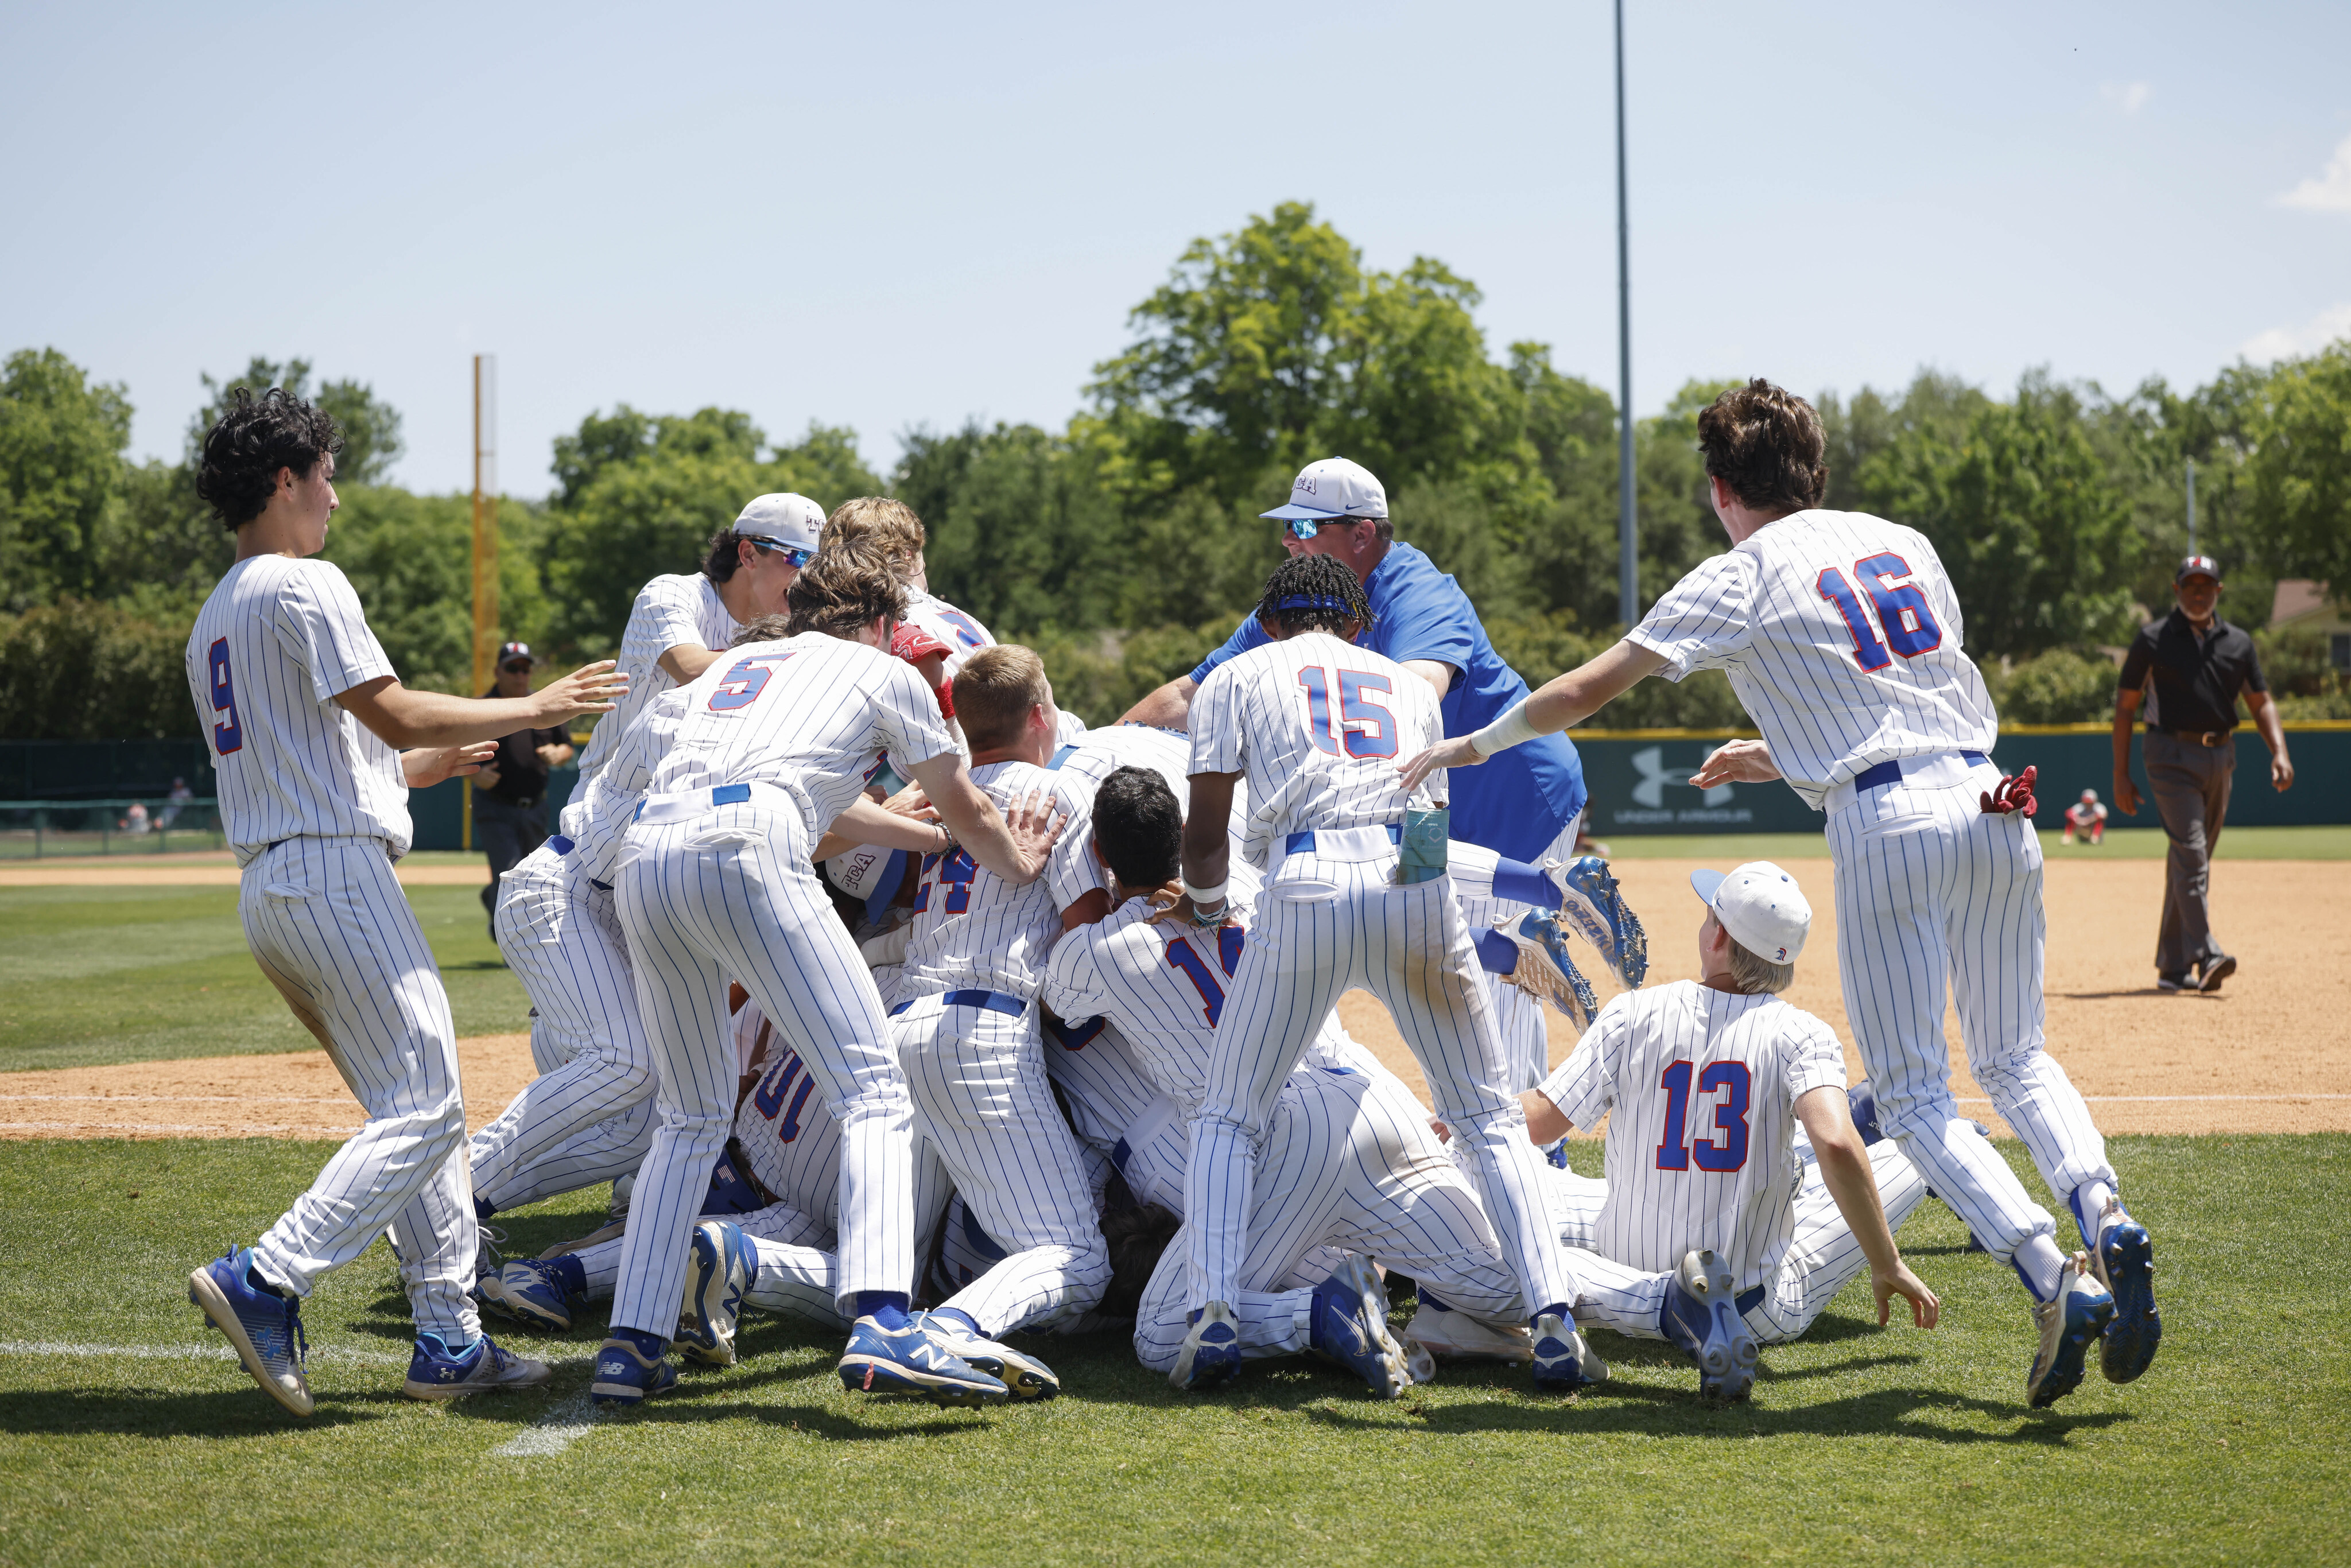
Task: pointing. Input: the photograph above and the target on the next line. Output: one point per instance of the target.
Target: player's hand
(1455, 753)
(1736, 762)
(1887, 1283)
(911, 801)
(1444, 1134)
(1171, 905)
(1034, 825)
(591, 688)
(2126, 795)
(429, 765)
(2281, 772)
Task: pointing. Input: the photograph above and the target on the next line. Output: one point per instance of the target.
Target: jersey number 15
(1379, 739)
(1901, 610)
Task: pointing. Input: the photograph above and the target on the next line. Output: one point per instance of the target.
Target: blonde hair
(889, 525)
(844, 589)
(1755, 976)
(993, 691)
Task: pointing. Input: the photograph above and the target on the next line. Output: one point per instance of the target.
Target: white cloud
(2327, 193)
(2281, 342)
(2130, 98)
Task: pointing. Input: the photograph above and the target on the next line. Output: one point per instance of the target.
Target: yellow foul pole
(485, 544)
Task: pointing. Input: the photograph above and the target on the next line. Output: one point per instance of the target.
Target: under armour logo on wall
(1649, 762)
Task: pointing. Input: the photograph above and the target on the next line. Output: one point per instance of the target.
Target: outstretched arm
(407, 720)
(1169, 708)
(1014, 850)
(1564, 701)
(1827, 1116)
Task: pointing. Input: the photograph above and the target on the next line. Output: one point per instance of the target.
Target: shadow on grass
(245, 1412)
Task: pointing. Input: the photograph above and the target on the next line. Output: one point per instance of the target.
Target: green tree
(2300, 468)
(370, 427)
(410, 559)
(81, 670)
(61, 441)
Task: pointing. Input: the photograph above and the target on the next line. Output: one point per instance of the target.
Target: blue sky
(893, 216)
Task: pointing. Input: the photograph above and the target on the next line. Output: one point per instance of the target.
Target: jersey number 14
(1909, 625)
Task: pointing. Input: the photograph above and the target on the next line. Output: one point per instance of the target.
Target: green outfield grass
(2326, 843)
(97, 975)
(1858, 1445)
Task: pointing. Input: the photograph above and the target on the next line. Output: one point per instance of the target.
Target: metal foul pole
(2191, 506)
(485, 545)
(1628, 563)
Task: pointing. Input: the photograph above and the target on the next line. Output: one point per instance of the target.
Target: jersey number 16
(1901, 610)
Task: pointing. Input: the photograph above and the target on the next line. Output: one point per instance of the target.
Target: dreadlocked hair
(1312, 593)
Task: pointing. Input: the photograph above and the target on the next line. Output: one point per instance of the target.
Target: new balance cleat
(489, 1239)
(2124, 1263)
(1590, 901)
(626, 1376)
(910, 1361)
(265, 1327)
(1349, 1326)
(720, 1266)
(1699, 1316)
(1023, 1374)
(1545, 970)
(483, 1368)
(1212, 1349)
(531, 1292)
(2068, 1324)
(1442, 1331)
(1563, 1363)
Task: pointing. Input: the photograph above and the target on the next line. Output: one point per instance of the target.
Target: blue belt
(994, 1002)
(599, 887)
(560, 844)
(1891, 772)
(1120, 1154)
(724, 795)
(1748, 1301)
(1303, 843)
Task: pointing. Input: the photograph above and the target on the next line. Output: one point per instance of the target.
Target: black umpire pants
(506, 832)
(2190, 784)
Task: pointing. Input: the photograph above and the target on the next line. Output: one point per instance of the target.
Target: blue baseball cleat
(1562, 1361)
(435, 1374)
(265, 1327)
(729, 1191)
(625, 1376)
(1212, 1349)
(531, 1291)
(910, 1361)
(1023, 1374)
(720, 1266)
(2124, 1263)
(1595, 906)
(1699, 1316)
(1349, 1325)
(1544, 968)
(2068, 1324)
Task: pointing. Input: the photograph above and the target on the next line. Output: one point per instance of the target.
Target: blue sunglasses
(793, 555)
(1307, 528)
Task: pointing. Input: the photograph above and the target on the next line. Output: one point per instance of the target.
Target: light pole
(1628, 564)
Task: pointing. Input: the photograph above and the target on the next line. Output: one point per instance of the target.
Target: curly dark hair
(762, 629)
(1312, 593)
(1766, 444)
(1138, 827)
(1138, 1233)
(256, 438)
(722, 554)
(841, 590)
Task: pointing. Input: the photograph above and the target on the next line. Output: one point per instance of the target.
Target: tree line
(1127, 543)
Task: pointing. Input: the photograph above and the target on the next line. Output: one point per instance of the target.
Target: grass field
(1859, 1444)
(2323, 844)
(97, 975)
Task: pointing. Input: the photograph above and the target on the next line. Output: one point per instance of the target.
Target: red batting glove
(914, 644)
(2014, 794)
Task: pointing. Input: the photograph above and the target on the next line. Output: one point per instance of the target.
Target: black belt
(1891, 772)
(2209, 739)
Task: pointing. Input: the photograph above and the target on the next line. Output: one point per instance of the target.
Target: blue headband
(1315, 601)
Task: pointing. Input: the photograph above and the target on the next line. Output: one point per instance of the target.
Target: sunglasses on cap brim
(794, 554)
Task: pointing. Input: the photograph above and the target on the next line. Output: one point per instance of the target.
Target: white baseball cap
(1334, 487)
(1762, 907)
(786, 518)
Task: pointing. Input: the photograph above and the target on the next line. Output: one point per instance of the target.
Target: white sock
(2089, 1205)
(2040, 1264)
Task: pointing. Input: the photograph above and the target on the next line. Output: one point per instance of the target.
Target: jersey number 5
(1901, 610)
(228, 735)
(745, 681)
(1674, 1151)
(1355, 708)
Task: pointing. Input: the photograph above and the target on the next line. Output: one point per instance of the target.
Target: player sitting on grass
(1709, 1236)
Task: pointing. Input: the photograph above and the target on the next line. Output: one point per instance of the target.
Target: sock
(572, 1272)
(1497, 954)
(652, 1346)
(2039, 1263)
(2089, 1202)
(887, 1308)
(1428, 1298)
(956, 1315)
(1556, 1309)
(1522, 884)
(253, 1278)
(482, 1208)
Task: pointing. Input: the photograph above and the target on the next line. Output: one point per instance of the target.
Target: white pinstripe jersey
(963, 635)
(1699, 1086)
(814, 714)
(1841, 637)
(971, 928)
(791, 1142)
(275, 644)
(597, 819)
(1104, 1083)
(1073, 870)
(1317, 726)
(670, 612)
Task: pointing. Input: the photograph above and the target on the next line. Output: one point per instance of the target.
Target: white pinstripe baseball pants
(589, 1116)
(1519, 1020)
(799, 1274)
(1348, 1166)
(1932, 892)
(981, 1098)
(730, 893)
(1408, 947)
(330, 926)
(1822, 1258)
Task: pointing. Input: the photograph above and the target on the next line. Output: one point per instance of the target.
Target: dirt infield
(2269, 1054)
(207, 869)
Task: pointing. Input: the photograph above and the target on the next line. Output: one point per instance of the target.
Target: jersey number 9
(228, 735)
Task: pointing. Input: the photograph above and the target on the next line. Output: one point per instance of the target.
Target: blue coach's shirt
(1517, 802)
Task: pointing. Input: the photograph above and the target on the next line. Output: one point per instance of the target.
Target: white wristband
(1200, 895)
(1512, 728)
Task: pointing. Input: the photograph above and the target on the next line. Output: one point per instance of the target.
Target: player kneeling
(1705, 1239)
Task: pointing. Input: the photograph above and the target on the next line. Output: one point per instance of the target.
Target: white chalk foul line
(190, 1099)
(565, 1423)
(55, 1350)
(2182, 1099)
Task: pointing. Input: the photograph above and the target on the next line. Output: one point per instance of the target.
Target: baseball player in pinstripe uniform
(716, 881)
(964, 1014)
(307, 721)
(680, 622)
(1842, 636)
(1355, 894)
(1710, 1236)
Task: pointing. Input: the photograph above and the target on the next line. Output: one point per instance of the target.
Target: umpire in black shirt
(2191, 665)
(510, 791)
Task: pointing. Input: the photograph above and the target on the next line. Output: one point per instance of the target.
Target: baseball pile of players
(888, 995)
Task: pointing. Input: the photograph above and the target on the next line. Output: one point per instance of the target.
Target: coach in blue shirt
(1518, 804)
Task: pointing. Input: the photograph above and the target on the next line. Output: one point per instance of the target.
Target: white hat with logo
(1334, 487)
(1762, 907)
(790, 520)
